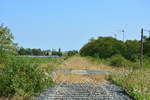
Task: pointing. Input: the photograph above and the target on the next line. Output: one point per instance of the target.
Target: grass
(43, 59)
(79, 78)
(46, 63)
(134, 80)
(23, 77)
(105, 64)
(79, 63)
(136, 83)
(82, 63)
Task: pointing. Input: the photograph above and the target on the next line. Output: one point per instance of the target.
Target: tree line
(38, 52)
(7, 45)
(105, 47)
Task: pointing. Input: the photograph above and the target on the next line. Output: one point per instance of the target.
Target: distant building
(65, 53)
(48, 53)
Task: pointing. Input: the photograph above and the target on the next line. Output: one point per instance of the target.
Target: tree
(6, 39)
(7, 46)
(132, 50)
(23, 51)
(37, 52)
(103, 47)
(72, 53)
(147, 46)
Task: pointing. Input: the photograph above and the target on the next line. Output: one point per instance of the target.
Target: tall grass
(23, 78)
(136, 83)
(43, 59)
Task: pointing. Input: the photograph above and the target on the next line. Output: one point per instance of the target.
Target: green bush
(135, 82)
(4, 56)
(21, 77)
(98, 60)
(118, 61)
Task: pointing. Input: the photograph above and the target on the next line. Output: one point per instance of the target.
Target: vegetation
(105, 47)
(113, 52)
(72, 53)
(6, 39)
(38, 52)
(25, 77)
(118, 61)
(28, 51)
(39, 60)
(57, 53)
(20, 77)
(136, 83)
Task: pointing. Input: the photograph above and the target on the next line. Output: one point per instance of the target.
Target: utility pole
(141, 51)
(123, 35)
(115, 36)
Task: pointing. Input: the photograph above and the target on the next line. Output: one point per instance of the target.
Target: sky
(69, 24)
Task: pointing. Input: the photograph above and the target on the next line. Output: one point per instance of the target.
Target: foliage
(72, 53)
(103, 47)
(4, 57)
(98, 60)
(132, 50)
(28, 51)
(23, 78)
(20, 76)
(136, 83)
(56, 53)
(39, 60)
(146, 46)
(23, 51)
(118, 61)
(38, 52)
(6, 39)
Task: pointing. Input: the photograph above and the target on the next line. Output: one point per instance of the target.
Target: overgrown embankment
(136, 83)
(22, 78)
(134, 80)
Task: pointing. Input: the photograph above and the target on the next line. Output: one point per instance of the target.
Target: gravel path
(84, 91)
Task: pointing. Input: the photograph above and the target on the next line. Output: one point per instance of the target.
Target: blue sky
(69, 24)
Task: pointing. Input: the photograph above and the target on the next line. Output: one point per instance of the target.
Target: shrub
(72, 53)
(21, 77)
(4, 57)
(118, 61)
(135, 82)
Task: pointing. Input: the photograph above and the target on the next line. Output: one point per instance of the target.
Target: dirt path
(80, 70)
(80, 79)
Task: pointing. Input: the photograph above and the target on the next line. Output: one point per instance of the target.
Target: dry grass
(136, 83)
(49, 66)
(79, 63)
(79, 78)
(14, 98)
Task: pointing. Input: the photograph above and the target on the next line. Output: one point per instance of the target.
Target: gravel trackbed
(84, 91)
